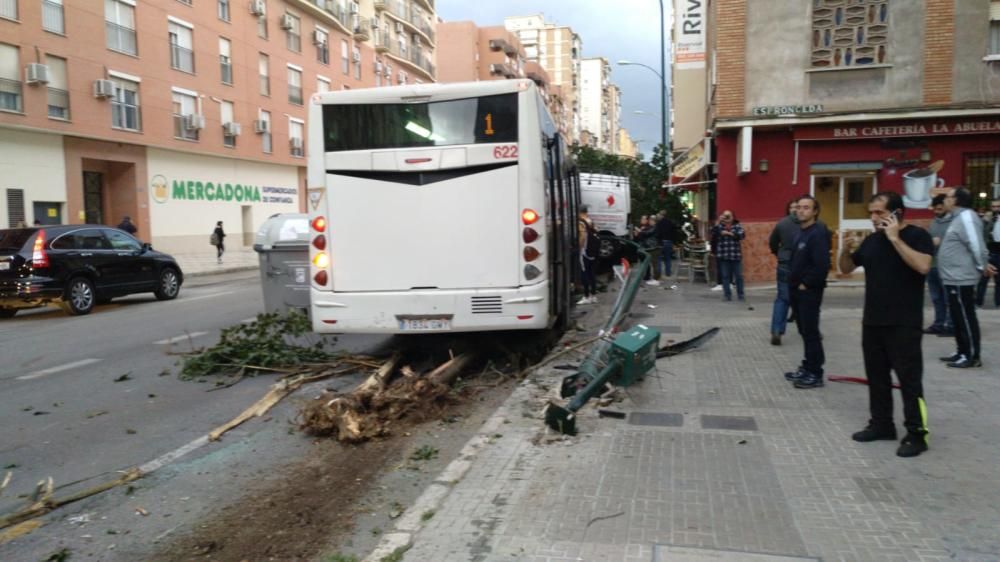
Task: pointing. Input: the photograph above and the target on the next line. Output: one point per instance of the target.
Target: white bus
(439, 207)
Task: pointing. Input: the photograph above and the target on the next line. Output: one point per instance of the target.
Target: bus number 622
(505, 151)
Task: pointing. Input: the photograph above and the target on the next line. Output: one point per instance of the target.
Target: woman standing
(219, 240)
(728, 236)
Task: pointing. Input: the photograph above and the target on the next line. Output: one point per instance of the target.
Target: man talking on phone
(896, 258)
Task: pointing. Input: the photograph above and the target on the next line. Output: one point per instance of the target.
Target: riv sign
(689, 33)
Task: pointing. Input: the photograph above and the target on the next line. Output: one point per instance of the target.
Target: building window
(322, 84)
(849, 36)
(345, 57)
(181, 47)
(186, 117)
(356, 57)
(982, 176)
(119, 24)
(293, 28)
(125, 105)
(224, 10)
(58, 91)
(228, 124)
(262, 24)
(264, 72)
(226, 60)
(52, 16)
(322, 41)
(8, 9)
(994, 28)
(294, 86)
(188, 2)
(11, 96)
(295, 136)
(265, 136)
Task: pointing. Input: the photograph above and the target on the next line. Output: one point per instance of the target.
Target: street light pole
(663, 90)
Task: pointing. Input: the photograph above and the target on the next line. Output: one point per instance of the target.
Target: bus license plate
(424, 324)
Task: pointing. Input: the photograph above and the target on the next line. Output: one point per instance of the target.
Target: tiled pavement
(205, 263)
(795, 487)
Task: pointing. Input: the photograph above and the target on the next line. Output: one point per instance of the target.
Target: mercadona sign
(191, 190)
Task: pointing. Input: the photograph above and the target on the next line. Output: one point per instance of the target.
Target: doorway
(843, 202)
(93, 197)
(248, 230)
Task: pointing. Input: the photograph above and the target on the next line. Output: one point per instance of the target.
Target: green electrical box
(635, 350)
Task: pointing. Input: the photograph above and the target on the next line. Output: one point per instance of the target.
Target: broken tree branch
(47, 503)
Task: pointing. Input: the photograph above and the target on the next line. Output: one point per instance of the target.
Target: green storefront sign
(190, 190)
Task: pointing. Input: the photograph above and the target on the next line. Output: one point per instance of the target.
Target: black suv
(78, 266)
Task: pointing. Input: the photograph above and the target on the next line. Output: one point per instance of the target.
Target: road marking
(170, 457)
(59, 369)
(176, 339)
(208, 296)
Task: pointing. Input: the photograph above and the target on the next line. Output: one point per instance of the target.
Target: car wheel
(168, 286)
(7, 312)
(80, 298)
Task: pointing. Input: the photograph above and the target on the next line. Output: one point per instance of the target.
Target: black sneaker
(933, 330)
(912, 445)
(965, 363)
(952, 358)
(795, 375)
(873, 433)
(946, 333)
(809, 380)
(775, 338)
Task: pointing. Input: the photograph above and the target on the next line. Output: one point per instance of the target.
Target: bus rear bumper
(428, 311)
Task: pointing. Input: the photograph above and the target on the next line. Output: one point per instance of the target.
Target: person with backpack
(128, 226)
(590, 245)
(218, 239)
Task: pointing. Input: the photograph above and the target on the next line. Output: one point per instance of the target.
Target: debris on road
(43, 502)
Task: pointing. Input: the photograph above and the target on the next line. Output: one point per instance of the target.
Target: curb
(234, 269)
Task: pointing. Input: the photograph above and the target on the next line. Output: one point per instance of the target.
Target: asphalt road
(64, 416)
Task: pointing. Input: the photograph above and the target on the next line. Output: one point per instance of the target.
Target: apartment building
(845, 99)
(626, 145)
(559, 51)
(470, 53)
(600, 104)
(178, 113)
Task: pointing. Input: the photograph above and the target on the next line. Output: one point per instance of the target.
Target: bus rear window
(486, 119)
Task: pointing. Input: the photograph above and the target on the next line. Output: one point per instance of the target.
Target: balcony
(58, 104)
(381, 39)
(361, 28)
(413, 57)
(503, 69)
(329, 11)
(380, 4)
(404, 11)
(52, 17)
(503, 45)
(10, 95)
(121, 38)
(181, 58)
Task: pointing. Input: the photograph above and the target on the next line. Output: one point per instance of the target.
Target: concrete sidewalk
(205, 263)
(729, 462)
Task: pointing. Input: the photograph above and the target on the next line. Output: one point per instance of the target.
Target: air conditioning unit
(104, 88)
(194, 122)
(399, 27)
(261, 127)
(286, 22)
(295, 143)
(232, 129)
(319, 38)
(36, 73)
(356, 57)
(257, 7)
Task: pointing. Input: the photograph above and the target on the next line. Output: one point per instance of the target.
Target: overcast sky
(613, 29)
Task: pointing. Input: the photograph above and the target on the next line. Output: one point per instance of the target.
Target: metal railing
(58, 103)
(52, 17)
(265, 85)
(10, 95)
(361, 28)
(227, 69)
(421, 23)
(381, 40)
(120, 38)
(295, 94)
(8, 9)
(181, 58)
(414, 56)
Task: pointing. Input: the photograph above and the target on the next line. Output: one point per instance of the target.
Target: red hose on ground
(855, 380)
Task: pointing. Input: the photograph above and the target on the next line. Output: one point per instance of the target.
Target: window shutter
(8, 63)
(57, 72)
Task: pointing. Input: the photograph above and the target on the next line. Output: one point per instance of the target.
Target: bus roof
(434, 92)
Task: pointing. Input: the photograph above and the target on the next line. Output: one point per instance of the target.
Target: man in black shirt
(807, 271)
(896, 259)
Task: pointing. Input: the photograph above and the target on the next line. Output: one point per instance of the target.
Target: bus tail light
(321, 278)
(529, 216)
(529, 235)
(39, 258)
(321, 260)
(531, 254)
(320, 242)
(319, 224)
(531, 272)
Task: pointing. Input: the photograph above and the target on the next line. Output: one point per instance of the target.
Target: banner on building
(690, 163)
(689, 33)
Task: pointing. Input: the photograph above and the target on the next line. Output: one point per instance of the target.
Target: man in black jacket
(782, 244)
(807, 271)
(665, 234)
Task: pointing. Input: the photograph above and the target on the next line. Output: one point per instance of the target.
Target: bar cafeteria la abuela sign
(850, 131)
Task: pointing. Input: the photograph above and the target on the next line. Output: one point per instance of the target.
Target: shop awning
(688, 165)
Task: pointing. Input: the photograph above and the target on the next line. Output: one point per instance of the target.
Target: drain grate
(657, 419)
(738, 423)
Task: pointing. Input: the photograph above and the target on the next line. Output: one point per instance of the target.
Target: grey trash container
(282, 244)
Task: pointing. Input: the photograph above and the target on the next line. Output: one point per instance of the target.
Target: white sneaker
(653, 283)
(585, 300)
(717, 288)
(593, 299)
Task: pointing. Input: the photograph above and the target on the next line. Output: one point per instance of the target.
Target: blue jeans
(940, 299)
(730, 271)
(779, 316)
(666, 254)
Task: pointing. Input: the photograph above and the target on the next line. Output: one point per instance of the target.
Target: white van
(609, 202)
